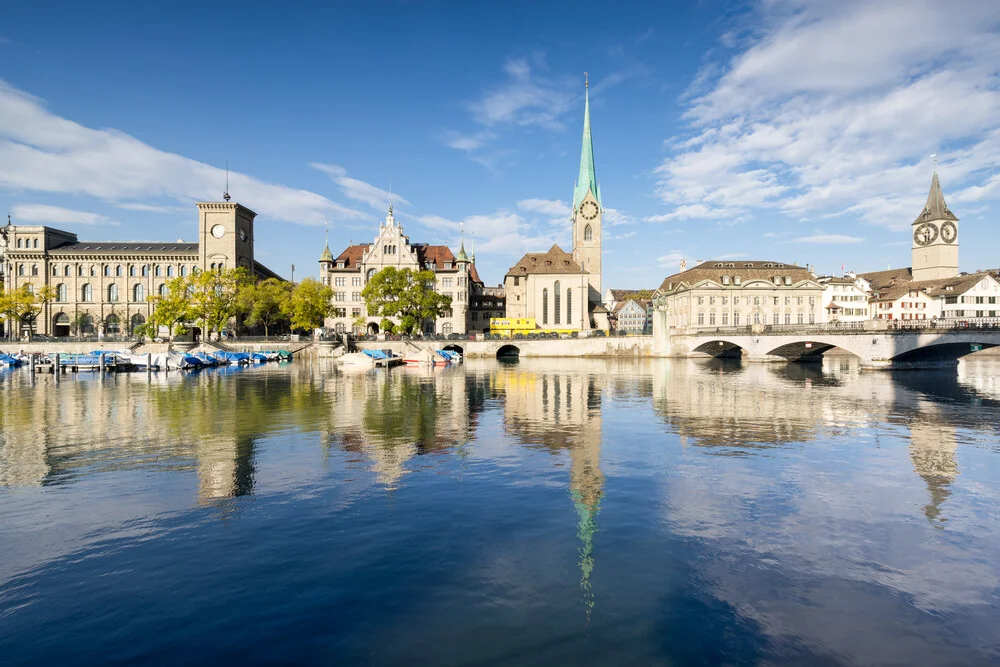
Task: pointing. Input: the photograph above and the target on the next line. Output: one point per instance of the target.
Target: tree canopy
(405, 295)
(311, 303)
(23, 305)
(268, 303)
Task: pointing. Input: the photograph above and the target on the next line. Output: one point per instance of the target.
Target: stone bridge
(617, 346)
(877, 348)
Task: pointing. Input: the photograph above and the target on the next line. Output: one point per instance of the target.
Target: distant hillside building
(349, 272)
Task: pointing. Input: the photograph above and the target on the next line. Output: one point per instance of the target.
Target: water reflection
(762, 513)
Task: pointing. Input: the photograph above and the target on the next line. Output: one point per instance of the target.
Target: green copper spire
(327, 256)
(587, 180)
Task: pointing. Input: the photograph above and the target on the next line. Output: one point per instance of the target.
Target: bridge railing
(940, 324)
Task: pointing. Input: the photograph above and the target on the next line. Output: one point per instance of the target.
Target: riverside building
(717, 294)
(103, 287)
(349, 272)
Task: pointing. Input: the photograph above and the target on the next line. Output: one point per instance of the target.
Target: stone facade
(349, 272)
(104, 287)
(844, 300)
(735, 294)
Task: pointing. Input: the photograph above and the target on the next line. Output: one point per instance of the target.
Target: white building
(844, 299)
(632, 317)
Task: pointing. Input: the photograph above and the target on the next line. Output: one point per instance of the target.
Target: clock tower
(225, 235)
(588, 212)
(935, 238)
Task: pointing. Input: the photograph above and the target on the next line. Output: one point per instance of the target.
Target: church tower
(935, 238)
(587, 210)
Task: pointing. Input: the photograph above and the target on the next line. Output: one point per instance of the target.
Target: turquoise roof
(462, 257)
(587, 181)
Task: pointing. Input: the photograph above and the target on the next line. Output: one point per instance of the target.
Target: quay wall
(626, 346)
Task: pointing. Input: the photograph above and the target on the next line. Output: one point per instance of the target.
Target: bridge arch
(453, 348)
(508, 352)
(804, 350)
(937, 353)
(720, 349)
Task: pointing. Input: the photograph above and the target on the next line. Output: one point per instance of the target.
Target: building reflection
(558, 406)
(387, 418)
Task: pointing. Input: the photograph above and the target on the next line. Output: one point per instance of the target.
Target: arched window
(184, 271)
(93, 270)
(588, 233)
(131, 271)
(79, 270)
(157, 271)
(87, 293)
(545, 306)
(34, 243)
(20, 244)
(145, 270)
(61, 292)
(118, 270)
(557, 301)
(67, 271)
(371, 274)
(163, 290)
(447, 328)
(139, 293)
(170, 272)
(55, 270)
(112, 324)
(107, 270)
(112, 292)
(137, 321)
(569, 306)
(34, 269)
(86, 325)
(212, 267)
(20, 269)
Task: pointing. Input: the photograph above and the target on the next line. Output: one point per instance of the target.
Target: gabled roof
(438, 254)
(714, 270)
(880, 279)
(954, 286)
(351, 256)
(556, 260)
(474, 274)
(935, 208)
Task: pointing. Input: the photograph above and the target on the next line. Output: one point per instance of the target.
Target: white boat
(369, 358)
(425, 357)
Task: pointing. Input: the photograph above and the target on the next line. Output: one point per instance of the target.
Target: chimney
(683, 265)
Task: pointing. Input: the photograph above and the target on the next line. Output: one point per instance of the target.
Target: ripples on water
(546, 512)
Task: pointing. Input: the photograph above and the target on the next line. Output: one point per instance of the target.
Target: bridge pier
(764, 358)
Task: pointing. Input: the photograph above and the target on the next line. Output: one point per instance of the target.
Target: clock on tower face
(589, 210)
(925, 234)
(949, 232)
(218, 231)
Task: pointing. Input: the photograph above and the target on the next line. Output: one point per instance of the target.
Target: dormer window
(725, 280)
(776, 280)
(788, 280)
(737, 280)
(340, 265)
(730, 266)
(718, 265)
(447, 265)
(749, 265)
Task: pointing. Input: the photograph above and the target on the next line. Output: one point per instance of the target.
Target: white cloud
(554, 207)
(620, 237)
(42, 152)
(373, 196)
(524, 99)
(500, 233)
(671, 259)
(56, 215)
(148, 208)
(828, 239)
(468, 142)
(834, 107)
(613, 217)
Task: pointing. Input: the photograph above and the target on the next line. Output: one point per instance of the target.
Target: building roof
(462, 256)
(438, 254)
(474, 274)
(641, 303)
(955, 286)
(351, 256)
(714, 270)
(935, 208)
(835, 280)
(127, 247)
(587, 180)
(556, 260)
(880, 279)
(327, 256)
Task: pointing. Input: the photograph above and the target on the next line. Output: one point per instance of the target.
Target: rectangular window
(799, 301)
(725, 301)
(812, 301)
(340, 282)
(756, 301)
(701, 318)
(777, 317)
(812, 318)
(701, 301)
(711, 318)
(446, 282)
(340, 296)
(788, 318)
(355, 296)
(725, 319)
(736, 300)
(355, 312)
(711, 300)
(800, 318)
(736, 319)
(776, 303)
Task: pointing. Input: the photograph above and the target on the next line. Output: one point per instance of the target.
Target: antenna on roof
(225, 195)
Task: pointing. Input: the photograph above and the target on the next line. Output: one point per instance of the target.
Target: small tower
(935, 238)
(460, 307)
(326, 261)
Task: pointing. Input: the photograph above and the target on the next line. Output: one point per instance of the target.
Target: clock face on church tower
(925, 234)
(589, 210)
(949, 232)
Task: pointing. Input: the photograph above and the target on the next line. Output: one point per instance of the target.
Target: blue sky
(792, 130)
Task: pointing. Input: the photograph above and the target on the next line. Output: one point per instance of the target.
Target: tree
(310, 305)
(23, 305)
(171, 308)
(268, 303)
(406, 295)
(215, 296)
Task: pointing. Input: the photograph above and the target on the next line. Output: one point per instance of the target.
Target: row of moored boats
(128, 361)
(387, 358)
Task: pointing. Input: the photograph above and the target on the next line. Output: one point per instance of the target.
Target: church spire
(935, 208)
(587, 181)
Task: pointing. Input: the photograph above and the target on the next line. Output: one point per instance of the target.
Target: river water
(535, 513)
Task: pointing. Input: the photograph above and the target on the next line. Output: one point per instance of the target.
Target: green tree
(310, 305)
(406, 295)
(268, 303)
(215, 297)
(23, 305)
(171, 308)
